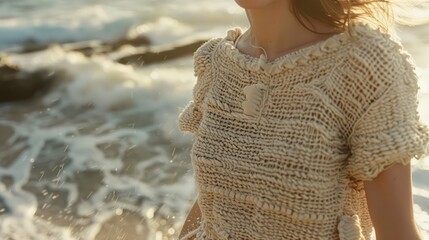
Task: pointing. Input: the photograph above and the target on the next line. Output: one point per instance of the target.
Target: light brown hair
(340, 13)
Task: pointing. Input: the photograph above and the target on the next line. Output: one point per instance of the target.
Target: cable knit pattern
(282, 147)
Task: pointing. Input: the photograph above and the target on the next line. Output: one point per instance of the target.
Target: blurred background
(90, 92)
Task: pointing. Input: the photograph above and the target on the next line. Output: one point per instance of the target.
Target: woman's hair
(340, 13)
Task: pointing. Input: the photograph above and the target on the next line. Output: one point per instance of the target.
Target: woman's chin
(254, 4)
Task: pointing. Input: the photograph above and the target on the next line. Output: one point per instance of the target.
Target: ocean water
(100, 156)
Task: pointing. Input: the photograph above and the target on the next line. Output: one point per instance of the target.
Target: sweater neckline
(289, 60)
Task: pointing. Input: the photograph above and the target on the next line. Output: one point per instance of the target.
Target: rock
(16, 85)
(149, 57)
(88, 48)
(138, 41)
(35, 47)
(97, 47)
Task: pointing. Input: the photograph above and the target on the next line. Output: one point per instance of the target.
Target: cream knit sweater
(281, 148)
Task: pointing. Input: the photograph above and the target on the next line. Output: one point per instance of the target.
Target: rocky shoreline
(17, 84)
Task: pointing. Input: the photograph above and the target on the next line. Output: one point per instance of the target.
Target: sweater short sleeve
(389, 131)
(190, 116)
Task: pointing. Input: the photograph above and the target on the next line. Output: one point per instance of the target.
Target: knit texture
(282, 147)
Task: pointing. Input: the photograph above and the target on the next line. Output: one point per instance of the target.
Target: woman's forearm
(192, 220)
(390, 203)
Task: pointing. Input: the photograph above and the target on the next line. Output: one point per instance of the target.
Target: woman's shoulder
(202, 56)
(205, 49)
(377, 48)
(376, 65)
(378, 56)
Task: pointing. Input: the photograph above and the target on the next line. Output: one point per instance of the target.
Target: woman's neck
(275, 28)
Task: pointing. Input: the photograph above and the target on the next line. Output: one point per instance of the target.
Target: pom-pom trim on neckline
(290, 60)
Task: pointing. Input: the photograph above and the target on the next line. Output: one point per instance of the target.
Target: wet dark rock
(138, 41)
(88, 48)
(16, 84)
(35, 47)
(150, 57)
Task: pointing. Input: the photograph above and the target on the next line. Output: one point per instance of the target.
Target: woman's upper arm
(390, 204)
(191, 223)
(190, 116)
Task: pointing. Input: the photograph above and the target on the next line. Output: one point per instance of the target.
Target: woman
(304, 126)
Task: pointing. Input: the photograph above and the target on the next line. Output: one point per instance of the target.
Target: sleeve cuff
(371, 154)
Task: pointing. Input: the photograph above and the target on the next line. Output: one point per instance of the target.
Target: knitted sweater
(281, 148)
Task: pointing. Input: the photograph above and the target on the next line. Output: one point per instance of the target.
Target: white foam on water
(17, 227)
(105, 84)
(172, 25)
(161, 22)
(92, 22)
(113, 92)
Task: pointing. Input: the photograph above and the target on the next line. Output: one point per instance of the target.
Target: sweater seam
(371, 106)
